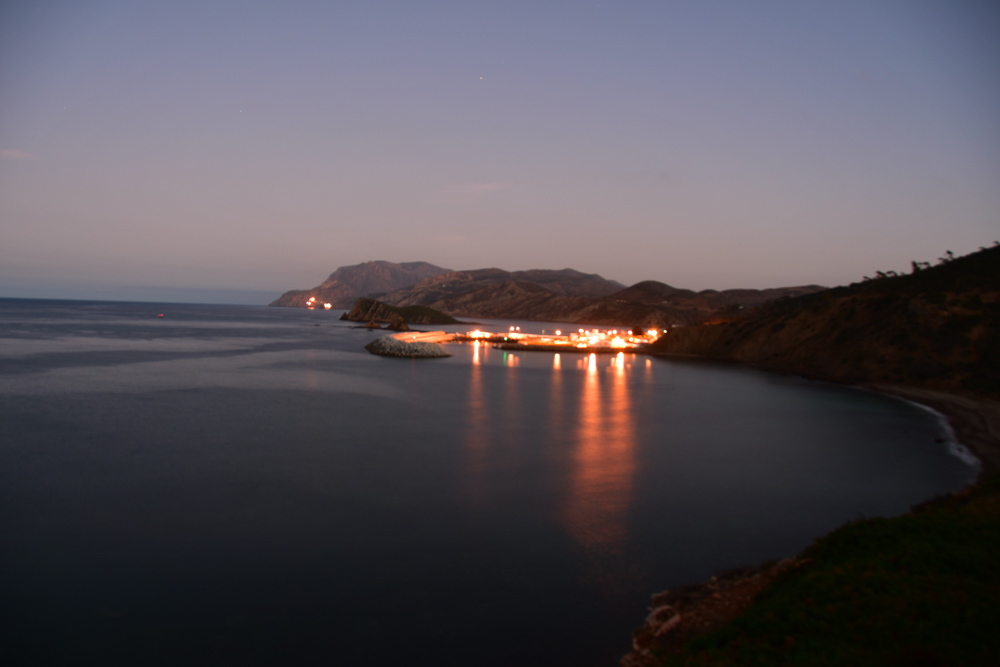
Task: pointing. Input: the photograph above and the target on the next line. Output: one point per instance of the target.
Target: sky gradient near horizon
(229, 151)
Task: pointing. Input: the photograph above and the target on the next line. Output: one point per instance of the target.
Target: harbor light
(607, 339)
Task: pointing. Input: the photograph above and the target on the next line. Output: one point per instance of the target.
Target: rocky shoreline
(680, 614)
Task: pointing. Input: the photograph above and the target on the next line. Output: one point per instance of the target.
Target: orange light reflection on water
(477, 434)
(602, 437)
(603, 460)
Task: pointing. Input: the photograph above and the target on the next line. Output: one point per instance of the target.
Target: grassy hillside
(938, 327)
(915, 590)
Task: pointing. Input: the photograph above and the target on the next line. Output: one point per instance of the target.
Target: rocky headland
(372, 310)
(348, 283)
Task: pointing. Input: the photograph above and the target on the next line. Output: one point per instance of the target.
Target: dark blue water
(240, 485)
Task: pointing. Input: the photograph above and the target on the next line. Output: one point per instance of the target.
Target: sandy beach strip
(975, 420)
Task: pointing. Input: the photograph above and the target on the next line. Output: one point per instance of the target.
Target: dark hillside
(913, 590)
(653, 292)
(938, 327)
(370, 310)
(975, 271)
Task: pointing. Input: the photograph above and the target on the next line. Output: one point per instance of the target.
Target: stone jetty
(390, 346)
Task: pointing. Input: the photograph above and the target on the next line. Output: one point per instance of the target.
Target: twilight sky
(229, 151)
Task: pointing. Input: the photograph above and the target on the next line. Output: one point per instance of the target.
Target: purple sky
(229, 151)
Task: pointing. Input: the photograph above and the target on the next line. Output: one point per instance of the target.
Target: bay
(247, 485)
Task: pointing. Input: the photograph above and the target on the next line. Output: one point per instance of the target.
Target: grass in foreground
(921, 589)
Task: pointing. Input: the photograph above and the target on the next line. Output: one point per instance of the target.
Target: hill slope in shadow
(938, 327)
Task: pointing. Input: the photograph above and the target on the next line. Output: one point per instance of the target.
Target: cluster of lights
(582, 338)
(614, 338)
(311, 303)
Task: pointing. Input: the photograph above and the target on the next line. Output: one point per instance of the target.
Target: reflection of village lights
(620, 360)
(475, 352)
(609, 339)
(592, 363)
(603, 459)
(648, 363)
(556, 363)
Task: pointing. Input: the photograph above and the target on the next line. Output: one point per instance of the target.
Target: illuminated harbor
(595, 340)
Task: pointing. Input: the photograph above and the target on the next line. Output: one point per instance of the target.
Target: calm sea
(238, 485)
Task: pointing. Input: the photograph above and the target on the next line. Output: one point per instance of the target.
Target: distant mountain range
(562, 295)
(348, 283)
